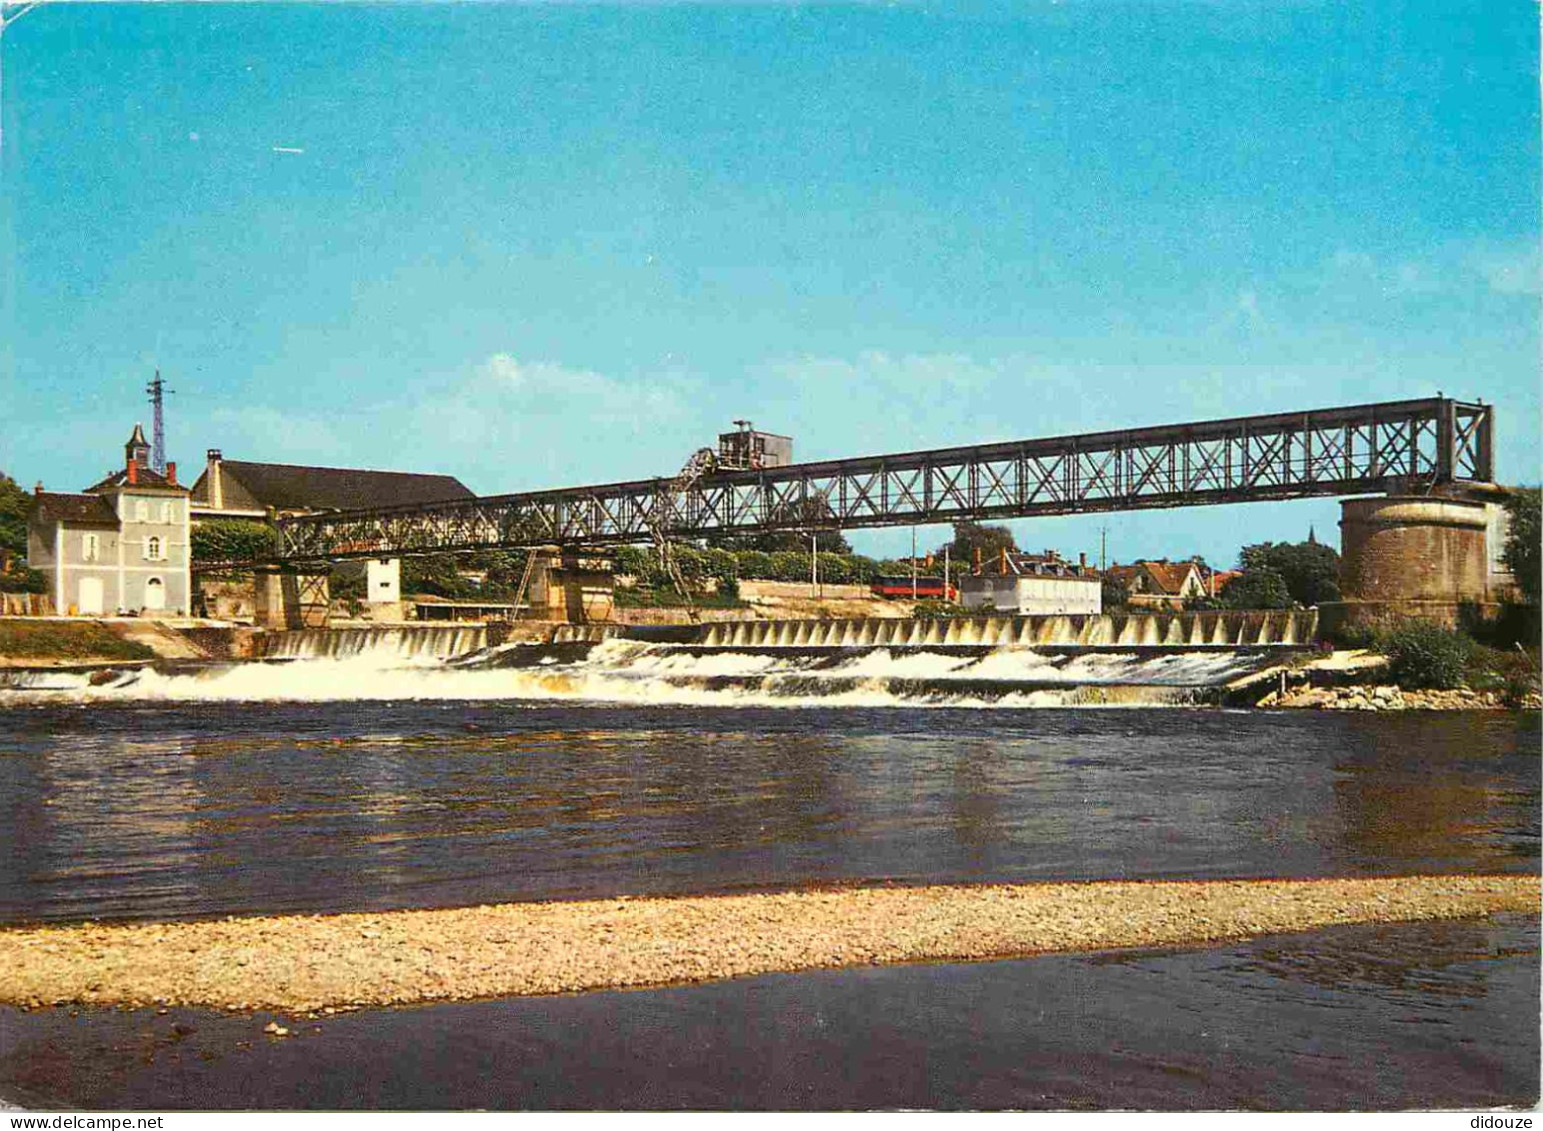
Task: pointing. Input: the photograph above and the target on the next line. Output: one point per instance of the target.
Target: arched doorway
(155, 594)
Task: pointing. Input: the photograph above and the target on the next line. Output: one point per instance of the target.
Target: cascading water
(429, 642)
(977, 661)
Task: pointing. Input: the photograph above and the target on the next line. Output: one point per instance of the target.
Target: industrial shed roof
(283, 486)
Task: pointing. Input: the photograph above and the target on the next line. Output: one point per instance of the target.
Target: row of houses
(124, 545)
(1015, 582)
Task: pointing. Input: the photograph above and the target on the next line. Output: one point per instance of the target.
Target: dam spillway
(405, 642)
(1117, 659)
(1210, 629)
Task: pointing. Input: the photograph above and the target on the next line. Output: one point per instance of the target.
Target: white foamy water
(636, 673)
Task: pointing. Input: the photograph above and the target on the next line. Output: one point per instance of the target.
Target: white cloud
(1452, 267)
(878, 401)
(1248, 311)
(545, 388)
(1517, 272)
(269, 435)
(1352, 262)
(1362, 272)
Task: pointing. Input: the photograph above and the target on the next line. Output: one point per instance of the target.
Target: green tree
(1256, 589)
(436, 574)
(1116, 594)
(1309, 569)
(815, 514)
(15, 507)
(972, 536)
(1522, 540)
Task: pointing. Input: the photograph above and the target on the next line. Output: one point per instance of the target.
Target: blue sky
(539, 245)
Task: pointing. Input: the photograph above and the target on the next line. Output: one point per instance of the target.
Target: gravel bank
(309, 963)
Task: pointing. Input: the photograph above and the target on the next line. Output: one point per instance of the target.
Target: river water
(181, 795)
(136, 809)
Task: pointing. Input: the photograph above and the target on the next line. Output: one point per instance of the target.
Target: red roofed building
(1161, 584)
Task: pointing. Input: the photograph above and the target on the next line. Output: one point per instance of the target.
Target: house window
(166, 513)
(142, 510)
(89, 547)
(153, 552)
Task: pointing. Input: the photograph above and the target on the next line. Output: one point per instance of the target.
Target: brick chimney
(171, 472)
(1082, 561)
(38, 490)
(133, 470)
(1002, 561)
(215, 490)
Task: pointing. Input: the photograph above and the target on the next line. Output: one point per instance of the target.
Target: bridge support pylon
(1413, 556)
(568, 586)
(289, 599)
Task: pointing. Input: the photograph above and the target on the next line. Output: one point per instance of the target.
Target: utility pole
(1103, 537)
(157, 389)
(948, 549)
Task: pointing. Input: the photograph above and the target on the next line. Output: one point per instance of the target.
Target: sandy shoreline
(307, 963)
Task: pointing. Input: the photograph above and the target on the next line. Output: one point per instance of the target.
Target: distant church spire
(1312, 537)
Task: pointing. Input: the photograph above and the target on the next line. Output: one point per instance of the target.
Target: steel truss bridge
(1358, 449)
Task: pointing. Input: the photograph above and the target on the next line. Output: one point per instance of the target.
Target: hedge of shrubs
(233, 540)
(1421, 654)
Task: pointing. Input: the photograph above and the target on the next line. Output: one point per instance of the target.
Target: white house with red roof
(122, 545)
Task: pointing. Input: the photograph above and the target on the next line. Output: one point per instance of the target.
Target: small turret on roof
(137, 450)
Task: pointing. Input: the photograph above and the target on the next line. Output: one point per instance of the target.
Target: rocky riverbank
(319, 963)
(1386, 697)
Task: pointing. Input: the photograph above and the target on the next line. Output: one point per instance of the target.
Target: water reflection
(136, 811)
(97, 816)
(1408, 784)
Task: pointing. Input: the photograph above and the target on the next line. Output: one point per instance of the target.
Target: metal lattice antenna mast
(157, 389)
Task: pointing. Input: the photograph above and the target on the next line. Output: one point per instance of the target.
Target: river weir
(1187, 658)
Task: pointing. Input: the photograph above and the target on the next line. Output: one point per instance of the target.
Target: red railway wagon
(901, 587)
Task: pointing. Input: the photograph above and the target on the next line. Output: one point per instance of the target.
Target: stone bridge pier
(1427, 556)
(289, 599)
(570, 586)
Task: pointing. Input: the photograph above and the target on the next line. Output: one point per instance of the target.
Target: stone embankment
(1390, 698)
(322, 963)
